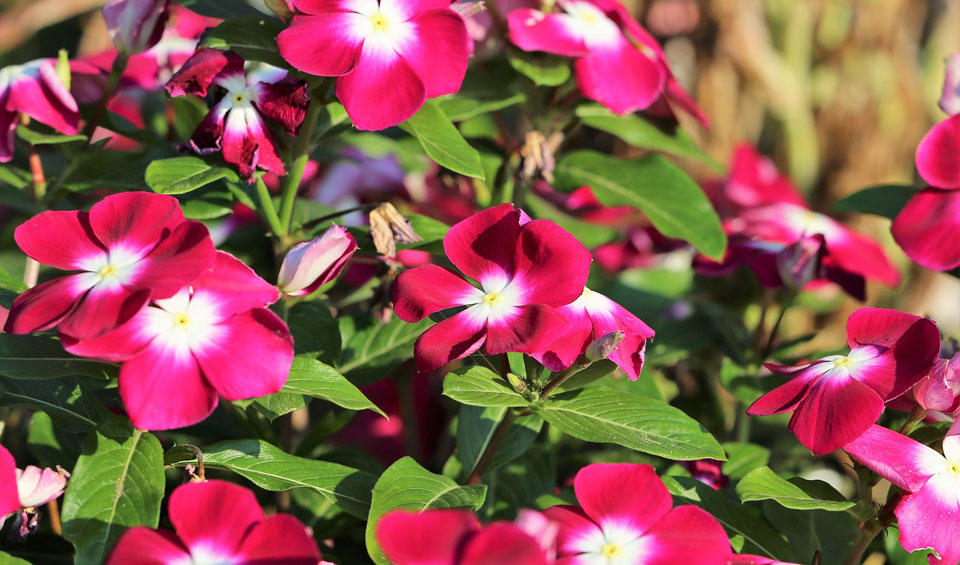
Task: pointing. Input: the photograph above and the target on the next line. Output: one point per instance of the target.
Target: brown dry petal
(388, 227)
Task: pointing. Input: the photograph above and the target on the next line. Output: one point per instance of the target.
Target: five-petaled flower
(130, 248)
(390, 56)
(217, 522)
(237, 123)
(525, 271)
(34, 90)
(838, 397)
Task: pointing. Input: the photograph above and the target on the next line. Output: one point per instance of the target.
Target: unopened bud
(604, 346)
(799, 263)
(516, 382)
(281, 8)
(940, 389)
(312, 264)
(39, 486)
(135, 25)
(388, 227)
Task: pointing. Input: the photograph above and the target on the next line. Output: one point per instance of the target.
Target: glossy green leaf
(117, 484)
(315, 332)
(476, 426)
(743, 458)
(442, 141)
(672, 201)
(591, 374)
(221, 8)
(479, 386)
(252, 37)
(71, 406)
(885, 200)
(799, 494)
(542, 69)
(310, 377)
(372, 349)
(460, 107)
(36, 138)
(406, 485)
(42, 357)
(178, 175)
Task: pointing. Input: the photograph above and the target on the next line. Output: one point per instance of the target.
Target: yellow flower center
(953, 466)
(379, 22)
(491, 298)
(610, 550)
(239, 98)
(841, 362)
(180, 320)
(107, 272)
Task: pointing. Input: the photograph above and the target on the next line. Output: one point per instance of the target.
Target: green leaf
(274, 405)
(372, 349)
(460, 107)
(591, 374)
(117, 484)
(7, 559)
(542, 69)
(743, 458)
(252, 37)
(315, 332)
(178, 175)
(672, 201)
(406, 485)
(638, 132)
(42, 357)
(208, 203)
(37, 138)
(331, 121)
(798, 494)
(479, 386)
(270, 468)
(50, 444)
(591, 235)
(221, 8)
(442, 141)
(602, 414)
(310, 377)
(476, 426)
(120, 170)
(10, 282)
(885, 200)
(64, 400)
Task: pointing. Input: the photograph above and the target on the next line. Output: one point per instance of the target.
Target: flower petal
(533, 30)
(103, 309)
(63, 240)
(8, 132)
(454, 338)
(135, 220)
(177, 261)
(251, 356)
(248, 144)
(552, 265)
(621, 77)
(687, 534)
(426, 289)
(929, 518)
(571, 344)
(9, 498)
(483, 245)
(928, 229)
(432, 536)
(526, 329)
(214, 515)
(834, 412)
(119, 344)
(504, 544)
(202, 69)
(878, 326)
(626, 493)
(141, 545)
(787, 396)
(326, 44)
(857, 253)
(284, 102)
(575, 529)
(903, 461)
(382, 91)
(233, 287)
(608, 316)
(438, 50)
(938, 155)
(281, 538)
(44, 98)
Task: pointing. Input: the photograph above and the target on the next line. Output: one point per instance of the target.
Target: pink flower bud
(950, 99)
(799, 263)
(135, 25)
(312, 264)
(39, 486)
(604, 346)
(939, 390)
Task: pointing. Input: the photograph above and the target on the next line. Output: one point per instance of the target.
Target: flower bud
(604, 346)
(311, 264)
(516, 382)
(950, 99)
(135, 25)
(799, 263)
(39, 486)
(939, 390)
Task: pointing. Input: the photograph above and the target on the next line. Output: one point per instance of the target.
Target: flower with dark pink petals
(218, 522)
(837, 398)
(753, 181)
(129, 248)
(525, 269)
(34, 90)
(135, 25)
(708, 472)
(454, 537)
(214, 337)
(236, 125)
(389, 56)
(626, 515)
(312, 264)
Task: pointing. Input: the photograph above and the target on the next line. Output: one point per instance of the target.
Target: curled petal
(39, 486)
(177, 261)
(454, 338)
(202, 69)
(878, 326)
(247, 144)
(787, 396)
(40, 94)
(551, 265)
(284, 102)
(45, 305)
(312, 264)
(103, 309)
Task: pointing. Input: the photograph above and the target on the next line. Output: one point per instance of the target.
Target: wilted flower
(34, 89)
(135, 25)
(940, 389)
(312, 264)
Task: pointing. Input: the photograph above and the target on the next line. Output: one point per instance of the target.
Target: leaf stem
(491, 450)
(558, 379)
(267, 208)
(300, 156)
(113, 80)
(31, 271)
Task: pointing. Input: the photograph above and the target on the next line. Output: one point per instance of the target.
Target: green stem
(267, 208)
(301, 154)
(491, 450)
(116, 71)
(317, 221)
(558, 379)
(867, 533)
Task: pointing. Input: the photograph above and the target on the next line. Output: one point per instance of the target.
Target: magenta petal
(142, 546)
(503, 544)
(103, 309)
(162, 389)
(533, 30)
(608, 316)
(214, 515)
(878, 326)
(433, 536)
(483, 245)
(528, 329)
(117, 345)
(938, 155)
(574, 525)
(8, 132)
(627, 493)
(323, 44)
(928, 229)
(426, 289)
(45, 305)
(251, 356)
(621, 77)
(914, 354)
(382, 91)
(63, 240)
(787, 396)
(279, 539)
(234, 287)
(177, 261)
(45, 99)
(835, 412)
(687, 534)
(552, 265)
(904, 462)
(571, 344)
(248, 144)
(930, 517)
(453, 338)
(857, 253)
(9, 497)
(201, 69)
(135, 220)
(284, 102)
(438, 51)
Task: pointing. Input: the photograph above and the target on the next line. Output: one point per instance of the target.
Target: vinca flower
(312, 264)
(135, 25)
(34, 90)
(22, 491)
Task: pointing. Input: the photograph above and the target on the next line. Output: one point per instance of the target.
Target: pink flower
(312, 264)
(129, 248)
(525, 271)
(626, 516)
(213, 337)
(389, 56)
(217, 522)
(950, 99)
(236, 124)
(753, 181)
(929, 514)
(135, 25)
(708, 472)
(33, 89)
(837, 398)
(454, 537)
(940, 389)
(591, 316)
(928, 227)
(39, 486)
(9, 495)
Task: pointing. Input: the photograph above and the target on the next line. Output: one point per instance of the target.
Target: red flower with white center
(591, 316)
(236, 124)
(33, 89)
(214, 337)
(454, 537)
(928, 227)
(929, 515)
(217, 522)
(626, 518)
(525, 270)
(838, 397)
(389, 56)
(130, 247)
